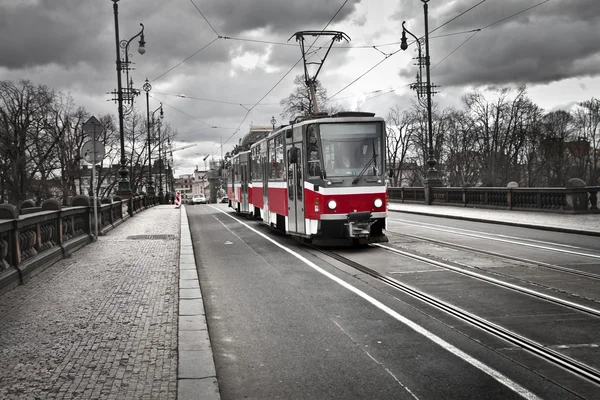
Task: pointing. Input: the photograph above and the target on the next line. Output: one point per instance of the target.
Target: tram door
(244, 184)
(265, 182)
(295, 180)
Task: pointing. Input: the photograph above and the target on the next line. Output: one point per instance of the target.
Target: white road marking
(497, 238)
(501, 378)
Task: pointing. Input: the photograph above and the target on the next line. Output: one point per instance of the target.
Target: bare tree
(557, 131)
(587, 122)
(299, 102)
(25, 146)
(462, 162)
(399, 144)
(499, 144)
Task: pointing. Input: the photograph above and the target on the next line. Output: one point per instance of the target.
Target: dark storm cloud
(551, 42)
(280, 17)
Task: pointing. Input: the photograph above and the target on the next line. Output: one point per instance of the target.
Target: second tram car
(321, 178)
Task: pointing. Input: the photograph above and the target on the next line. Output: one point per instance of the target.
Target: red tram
(321, 178)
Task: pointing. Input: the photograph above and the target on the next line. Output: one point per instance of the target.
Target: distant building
(190, 184)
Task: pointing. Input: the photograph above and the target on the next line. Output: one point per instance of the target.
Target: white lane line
(497, 238)
(501, 378)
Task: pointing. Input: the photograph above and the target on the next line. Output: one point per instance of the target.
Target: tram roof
(340, 117)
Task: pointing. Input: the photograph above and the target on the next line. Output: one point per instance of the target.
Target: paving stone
(194, 389)
(196, 364)
(188, 274)
(188, 284)
(101, 324)
(192, 322)
(187, 266)
(191, 307)
(190, 293)
(194, 340)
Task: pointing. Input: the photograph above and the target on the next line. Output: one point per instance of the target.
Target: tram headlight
(378, 203)
(331, 204)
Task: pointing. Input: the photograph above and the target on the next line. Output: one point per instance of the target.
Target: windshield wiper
(372, 160)
(362, 172)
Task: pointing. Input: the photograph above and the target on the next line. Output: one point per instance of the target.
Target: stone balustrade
(570, 200)
(33, 238)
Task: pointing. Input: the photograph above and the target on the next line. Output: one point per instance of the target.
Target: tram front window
(349, 148)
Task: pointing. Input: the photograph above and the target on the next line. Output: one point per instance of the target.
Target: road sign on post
(92, 152)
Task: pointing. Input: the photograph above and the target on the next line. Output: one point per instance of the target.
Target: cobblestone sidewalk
(101, 324)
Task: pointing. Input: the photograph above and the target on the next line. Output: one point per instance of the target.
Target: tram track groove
(503, 239)
(499, 255)
(573, 366)
(491, 280)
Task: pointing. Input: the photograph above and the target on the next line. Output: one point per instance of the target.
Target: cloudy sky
(220, 65)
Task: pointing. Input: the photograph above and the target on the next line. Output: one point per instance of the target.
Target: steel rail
(492, 253)
(575, 367)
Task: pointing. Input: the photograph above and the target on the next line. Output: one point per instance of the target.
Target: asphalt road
(288, 323)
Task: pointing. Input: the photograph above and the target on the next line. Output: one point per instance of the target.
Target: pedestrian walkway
(587, 224)
(107, 323)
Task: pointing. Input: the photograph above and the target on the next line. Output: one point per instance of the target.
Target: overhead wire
(475, 31)
(182, 112)
(177, 65)
(458, 16)
(209, 24)
(284, 76)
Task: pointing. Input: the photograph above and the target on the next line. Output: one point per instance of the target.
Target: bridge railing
(33, 238)
(576, 200)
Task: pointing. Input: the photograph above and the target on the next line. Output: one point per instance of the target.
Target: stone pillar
(577, 197)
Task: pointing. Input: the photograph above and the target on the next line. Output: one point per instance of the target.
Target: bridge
(194, 303)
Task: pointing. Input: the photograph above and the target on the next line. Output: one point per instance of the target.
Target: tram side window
(276, 164)
(254, 165)
(257, 170)
(290, 179)
(279, 157)
(272, 159)
(314, 152)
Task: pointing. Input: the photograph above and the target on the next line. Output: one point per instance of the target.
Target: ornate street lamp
(273, 121)
(432, 178)
(124, 188)
(161, 194)
(147, 87)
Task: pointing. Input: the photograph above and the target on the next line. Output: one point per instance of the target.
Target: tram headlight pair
(331, 204)
(378, 203)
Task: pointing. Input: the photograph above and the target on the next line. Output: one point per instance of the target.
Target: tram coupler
(359, 224)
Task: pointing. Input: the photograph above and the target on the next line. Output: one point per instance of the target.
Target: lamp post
(161, 194)
(273, 121)
(169, 177)
(147, 87)
(124, 188)
(432, 178)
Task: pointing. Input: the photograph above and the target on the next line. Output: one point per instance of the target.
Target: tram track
(542, 264)
(572, 365)
(524, 242)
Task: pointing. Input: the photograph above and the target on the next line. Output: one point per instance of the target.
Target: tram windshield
(352, 148)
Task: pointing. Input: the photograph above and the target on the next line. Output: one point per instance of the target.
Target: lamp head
(162, 114)
(403, 42)
(142, 42)
(142, 48)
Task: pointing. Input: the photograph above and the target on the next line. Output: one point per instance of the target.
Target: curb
(491, 221)
(196, 373)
